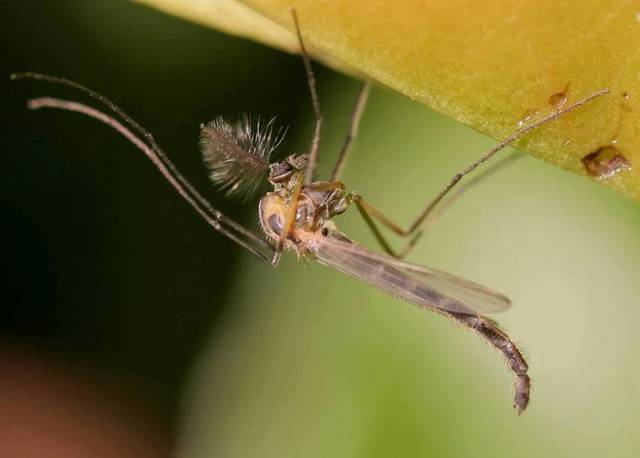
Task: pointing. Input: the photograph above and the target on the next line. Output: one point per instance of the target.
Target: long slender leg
(154, 146)
(432, 218)
(368, 212)
(213, 218)
(492, 152)
(490, 331)
(356, 115)
(427, 211)
(311, 81)
(438, 211)
(381, 239)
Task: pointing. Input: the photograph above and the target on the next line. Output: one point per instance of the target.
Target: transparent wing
(409, 282)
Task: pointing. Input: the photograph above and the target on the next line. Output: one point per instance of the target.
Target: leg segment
(213, 217)
(311, 81)
(367, 209)
(356, 115)
(381, 239)
(153, 152)
(492, 152)
(490, 331)
(427, 216)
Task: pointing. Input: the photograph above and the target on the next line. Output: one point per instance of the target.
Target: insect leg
(420, 219)
(362, 207)
(356, 115)
(367, 211)
(497, 338)
(427, 214)
(213, 217)
(311, 81)
(157, 151)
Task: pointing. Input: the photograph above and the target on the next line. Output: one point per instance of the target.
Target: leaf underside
(489, 65)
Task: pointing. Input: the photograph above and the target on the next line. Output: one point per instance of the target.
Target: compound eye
(280, 172)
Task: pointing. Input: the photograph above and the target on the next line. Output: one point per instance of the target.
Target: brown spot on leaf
(558, 99)
(605, 162)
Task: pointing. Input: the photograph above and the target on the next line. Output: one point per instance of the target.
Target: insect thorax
(316, 203)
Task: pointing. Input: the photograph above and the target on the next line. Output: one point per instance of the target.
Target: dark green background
(104, 263)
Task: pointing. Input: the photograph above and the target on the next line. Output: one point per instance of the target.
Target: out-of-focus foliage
(486, 64)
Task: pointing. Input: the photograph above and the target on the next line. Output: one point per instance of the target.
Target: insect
(297, 215)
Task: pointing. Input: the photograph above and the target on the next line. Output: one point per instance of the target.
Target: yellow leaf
(489, 65)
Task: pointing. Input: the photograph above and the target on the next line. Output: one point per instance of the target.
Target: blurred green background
(109, 272)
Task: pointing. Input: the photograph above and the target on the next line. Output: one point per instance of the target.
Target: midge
(297, 214)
